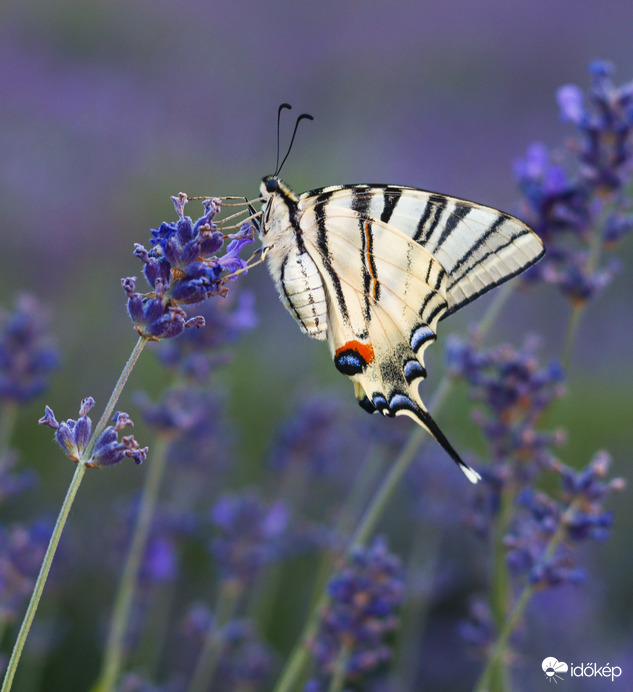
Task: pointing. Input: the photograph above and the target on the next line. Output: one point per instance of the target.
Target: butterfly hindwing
(385, 301)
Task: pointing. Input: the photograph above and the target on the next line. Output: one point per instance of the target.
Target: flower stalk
(114, 652)
(63, 516)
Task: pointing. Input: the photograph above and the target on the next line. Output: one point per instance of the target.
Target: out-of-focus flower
(12, 482)
(605, 125)
(244, 659)
(22, 549)
(478, 630)
(200, 351)
(180, 410)
(183, 267)
(577, 202)
(514, 390)
(27, 352)
(73, 437)
(161, 557)
(364, 596)
(578, 513)
(317, 436)
(251, 536)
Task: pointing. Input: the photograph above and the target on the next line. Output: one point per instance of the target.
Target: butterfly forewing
(479, 247)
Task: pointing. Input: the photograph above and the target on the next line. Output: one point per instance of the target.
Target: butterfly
(373, 269)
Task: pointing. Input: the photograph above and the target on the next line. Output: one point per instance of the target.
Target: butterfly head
(272, 186)
(279, 204)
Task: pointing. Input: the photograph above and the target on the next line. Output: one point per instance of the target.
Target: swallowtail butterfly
(372, 269)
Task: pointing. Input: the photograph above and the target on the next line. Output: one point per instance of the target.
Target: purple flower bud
(109, 450)
(71, 435)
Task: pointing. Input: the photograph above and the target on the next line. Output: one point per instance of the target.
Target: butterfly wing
(479, 247)
(394, 261)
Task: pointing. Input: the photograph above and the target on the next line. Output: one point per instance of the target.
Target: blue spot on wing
(401, 401)
(350, 362)
(414, 370)
(420, 335)
(380, 404)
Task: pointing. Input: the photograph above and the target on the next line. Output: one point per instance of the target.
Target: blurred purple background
(107, 109)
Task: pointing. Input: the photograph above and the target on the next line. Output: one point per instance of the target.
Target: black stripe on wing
(490, 286)
(322, 244)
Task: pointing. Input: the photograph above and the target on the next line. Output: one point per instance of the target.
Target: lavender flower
(161, 557)
(251, 535)
(200, 438)
(244, 659)
(578, 513)
(317, 436)
(180, 410)
(577, 203)
(27, 353)
(514, 391)
(22, 549)
(363, 599)
(73, 437)
(12, 482)
(182, 268)
(478, 630)
(152, 317)
(605, 125)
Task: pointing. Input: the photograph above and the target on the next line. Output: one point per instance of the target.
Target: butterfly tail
(401, 404)
(427, 421)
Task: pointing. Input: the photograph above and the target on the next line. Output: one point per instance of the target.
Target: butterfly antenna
(303, 116)
(282, 107)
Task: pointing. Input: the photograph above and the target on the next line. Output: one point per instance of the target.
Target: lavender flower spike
(182, 267)
(73, 437)
(364, 598)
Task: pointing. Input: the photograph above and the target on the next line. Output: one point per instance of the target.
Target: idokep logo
(554, 670)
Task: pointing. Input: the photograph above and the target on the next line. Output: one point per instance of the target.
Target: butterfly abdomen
(303, 294)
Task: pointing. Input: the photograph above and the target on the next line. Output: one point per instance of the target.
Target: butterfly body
(374, 268)
(295, 273)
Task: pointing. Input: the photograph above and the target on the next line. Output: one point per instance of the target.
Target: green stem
(212, 648)
(63, 516)
(420, 569)
(116, 393)
(43, 575)
(573, 327)
(500, 646)
(578, 309)
(360, 492)
(340, 669)
(494, 309)
(114, 651)
(500, 594)
(366, 526)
